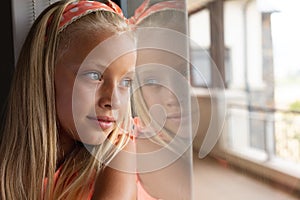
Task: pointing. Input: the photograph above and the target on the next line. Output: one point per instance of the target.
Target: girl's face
(164, 89)
(92, 88)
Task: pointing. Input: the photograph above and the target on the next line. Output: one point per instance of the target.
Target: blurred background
(253, 44)
(258, 153)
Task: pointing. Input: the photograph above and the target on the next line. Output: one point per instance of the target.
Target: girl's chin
(92, 140)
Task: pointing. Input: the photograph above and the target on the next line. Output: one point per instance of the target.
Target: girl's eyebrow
(129, 74)
(92, 64)
(132, 72)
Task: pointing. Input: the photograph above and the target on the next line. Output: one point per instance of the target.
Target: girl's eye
(126, 83)
(94, 76)
(151, 82)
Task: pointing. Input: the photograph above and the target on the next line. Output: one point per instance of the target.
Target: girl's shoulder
(142, 194)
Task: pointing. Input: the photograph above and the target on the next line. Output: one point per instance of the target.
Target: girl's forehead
(112, 48)
(104, 45)
(101, 61)
(159, 57)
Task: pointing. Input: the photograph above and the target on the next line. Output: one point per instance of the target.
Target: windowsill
(200, 92)
(255, 162)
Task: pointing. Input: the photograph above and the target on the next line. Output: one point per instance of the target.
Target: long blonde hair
(29, 140)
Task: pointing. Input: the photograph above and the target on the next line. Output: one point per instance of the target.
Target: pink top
(141, 192)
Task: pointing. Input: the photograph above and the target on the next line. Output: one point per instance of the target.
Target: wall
(7, 54)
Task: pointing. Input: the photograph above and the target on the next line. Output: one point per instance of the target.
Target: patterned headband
(81, 8)
(144, 10)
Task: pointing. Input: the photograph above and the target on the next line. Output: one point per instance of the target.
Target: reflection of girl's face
(91, 97)
(164, 88)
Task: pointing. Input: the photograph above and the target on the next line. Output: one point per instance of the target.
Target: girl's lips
(174, 116)
(105, 118)
(177, 117)
(105, 122)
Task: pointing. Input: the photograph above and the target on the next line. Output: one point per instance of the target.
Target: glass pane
(161, 100)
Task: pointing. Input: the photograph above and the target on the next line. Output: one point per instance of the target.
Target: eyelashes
(126, 82)
(98, 77)
(151, 81)
(95, 76)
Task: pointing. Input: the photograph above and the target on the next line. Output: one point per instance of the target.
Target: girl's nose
(109, 97)
(169, 98)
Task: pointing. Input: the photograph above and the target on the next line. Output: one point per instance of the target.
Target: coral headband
(81, 8)
(145, 10)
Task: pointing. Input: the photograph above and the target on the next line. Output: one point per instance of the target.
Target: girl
(162, 100)
(68, 98)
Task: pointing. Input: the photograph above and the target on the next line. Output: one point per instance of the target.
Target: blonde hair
(29, 140)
